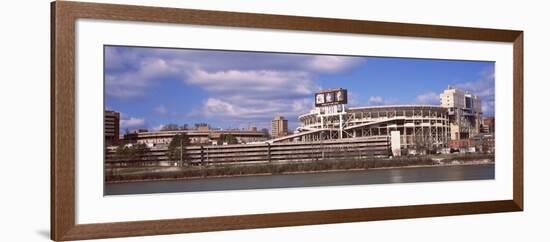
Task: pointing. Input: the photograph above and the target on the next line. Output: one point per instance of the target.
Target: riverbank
(125, 175)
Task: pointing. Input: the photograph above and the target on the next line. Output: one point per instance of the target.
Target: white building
(464, 112)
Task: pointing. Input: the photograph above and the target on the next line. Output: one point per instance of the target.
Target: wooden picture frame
(63, 18)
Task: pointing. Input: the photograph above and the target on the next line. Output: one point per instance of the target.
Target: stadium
(412, 128)
(415, 124)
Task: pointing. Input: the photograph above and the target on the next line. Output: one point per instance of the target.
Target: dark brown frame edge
(63, 18)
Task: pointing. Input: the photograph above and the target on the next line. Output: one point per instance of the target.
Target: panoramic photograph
(193, 120)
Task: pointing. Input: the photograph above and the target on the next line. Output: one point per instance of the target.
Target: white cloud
(238, 85)
(376, 100)
(254, 94)
(217, 107)
(132, 122)
(134, 82)
(332, 64)
(488, 107)
(157, 128)
(484, 87)
(131, 71)
(353, 98)
(235, 108)
(428, 98)
(301, 106)
(161, 109)
(254, 83)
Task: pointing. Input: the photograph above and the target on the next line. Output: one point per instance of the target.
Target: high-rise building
(111, 127)
(279, 127)
(464, 112)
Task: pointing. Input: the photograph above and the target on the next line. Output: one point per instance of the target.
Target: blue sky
(152, 87)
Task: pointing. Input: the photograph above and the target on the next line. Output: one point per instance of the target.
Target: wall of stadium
(419, 125)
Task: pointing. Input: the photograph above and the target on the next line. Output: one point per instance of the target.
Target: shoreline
(462, 163)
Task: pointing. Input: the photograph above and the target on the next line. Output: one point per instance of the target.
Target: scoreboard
(331, 97)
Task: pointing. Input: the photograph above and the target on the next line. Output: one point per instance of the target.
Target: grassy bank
(140, 174)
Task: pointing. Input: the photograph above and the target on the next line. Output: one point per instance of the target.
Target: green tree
(133, 153)
(227, 138)
(122, 152)
(176, 148)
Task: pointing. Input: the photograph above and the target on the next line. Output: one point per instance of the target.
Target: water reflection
(382, 176)
(396, 176)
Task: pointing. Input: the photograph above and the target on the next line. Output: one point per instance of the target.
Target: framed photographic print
(172, 120)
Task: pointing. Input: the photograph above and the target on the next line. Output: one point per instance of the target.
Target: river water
(382, 176)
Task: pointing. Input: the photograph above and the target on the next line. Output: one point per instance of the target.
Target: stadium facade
(417, 126)
(415, 123)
